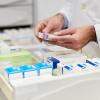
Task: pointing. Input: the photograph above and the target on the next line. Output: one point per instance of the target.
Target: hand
(74, 38)
(50, 25)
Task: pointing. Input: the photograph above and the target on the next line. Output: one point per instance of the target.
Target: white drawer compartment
(16, 16)
(73, 87)
(14, 2)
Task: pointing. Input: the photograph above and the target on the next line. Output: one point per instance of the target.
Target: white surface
(82, 86)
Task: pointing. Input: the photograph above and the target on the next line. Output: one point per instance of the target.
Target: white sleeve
(97, 29)
(66, 11)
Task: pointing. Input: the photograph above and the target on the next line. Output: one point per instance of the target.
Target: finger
(37, 40)
(66, 45)
(69, 46)
(63, 42)
(66, 38)
(54, 30)
(48, 28)
(40, 27)
(68, 31)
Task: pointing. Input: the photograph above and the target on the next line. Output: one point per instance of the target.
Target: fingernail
(56, 33)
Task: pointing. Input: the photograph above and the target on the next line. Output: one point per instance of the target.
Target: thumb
(48, 28)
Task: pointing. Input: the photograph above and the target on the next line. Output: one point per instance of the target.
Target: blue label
(27, 68)
(68, 68)
(91, 63)
(83, 66)
(42, 66)
(12, 70)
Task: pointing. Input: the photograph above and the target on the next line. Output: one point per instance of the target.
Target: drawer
(14, 2)
(73, 87)
(6, 88)
(13, 16)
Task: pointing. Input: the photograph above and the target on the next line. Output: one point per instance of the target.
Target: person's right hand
(50, 25)
(74, 37)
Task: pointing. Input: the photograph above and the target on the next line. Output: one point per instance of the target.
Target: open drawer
(80, 86)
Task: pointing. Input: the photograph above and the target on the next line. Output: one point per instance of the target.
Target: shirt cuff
(66, 22)
(97, 29)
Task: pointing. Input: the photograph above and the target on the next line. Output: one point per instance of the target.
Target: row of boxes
(51, 66)
(89, 65)
(26, 71)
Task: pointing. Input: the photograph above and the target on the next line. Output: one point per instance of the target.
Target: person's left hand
(74, 38)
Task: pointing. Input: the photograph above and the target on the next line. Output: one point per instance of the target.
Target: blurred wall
(45, 8)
